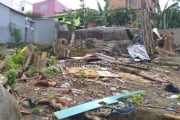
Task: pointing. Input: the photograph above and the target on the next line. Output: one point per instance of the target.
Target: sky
(75, 4)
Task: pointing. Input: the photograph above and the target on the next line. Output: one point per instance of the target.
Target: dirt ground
(155, 97)
(31, 91)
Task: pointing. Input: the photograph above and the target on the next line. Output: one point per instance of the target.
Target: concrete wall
(4, 24)
(44, 31)
(10, 16)
(176, 32)
(19, 21)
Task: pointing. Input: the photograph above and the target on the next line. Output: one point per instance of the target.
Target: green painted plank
(91, 105)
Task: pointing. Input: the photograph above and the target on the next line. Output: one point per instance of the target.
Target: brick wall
(117, 4)
(136, 4)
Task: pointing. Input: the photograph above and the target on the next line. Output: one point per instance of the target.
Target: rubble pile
(100, 84)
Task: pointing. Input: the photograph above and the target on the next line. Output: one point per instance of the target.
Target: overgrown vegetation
(169, 17)
(31, 71)
(51, 70)
(103, 16)
(53, 59)
(16, 60)
(12, 76)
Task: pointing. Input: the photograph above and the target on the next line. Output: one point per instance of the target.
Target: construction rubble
(103, 82)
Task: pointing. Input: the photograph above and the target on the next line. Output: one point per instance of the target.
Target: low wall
(176, 32)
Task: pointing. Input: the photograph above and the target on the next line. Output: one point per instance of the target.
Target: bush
(51, 70)
(12, 76)
(31, 72)
(52, 60)
(16, 60)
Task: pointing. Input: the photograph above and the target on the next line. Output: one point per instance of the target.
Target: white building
(25, 6)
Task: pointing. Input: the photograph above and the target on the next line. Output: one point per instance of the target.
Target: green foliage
(31, 71)
(104, 16)
(36, 110)
(121, 16)
(51, 70)
(138, 99)
(16, 60)
(81, 75)
(12, 76)
(53, 59)
(33, 15)
(169, 17)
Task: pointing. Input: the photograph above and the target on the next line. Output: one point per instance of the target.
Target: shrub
(12, 76)
(31, 71)
(16, 60)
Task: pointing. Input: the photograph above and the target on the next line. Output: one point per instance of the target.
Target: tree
(169, 17)
(121, 16)
(33, 15)
(103, 13)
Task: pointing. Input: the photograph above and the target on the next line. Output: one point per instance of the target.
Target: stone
(3, 79)
(9, 109)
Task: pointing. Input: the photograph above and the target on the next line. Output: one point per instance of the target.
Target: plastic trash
(171, 88)
(138, 51)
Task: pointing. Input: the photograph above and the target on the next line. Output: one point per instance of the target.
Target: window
(43, 7)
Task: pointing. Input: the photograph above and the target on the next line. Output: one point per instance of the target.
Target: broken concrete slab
(9, 109)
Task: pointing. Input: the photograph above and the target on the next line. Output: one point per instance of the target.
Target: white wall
(28, 7)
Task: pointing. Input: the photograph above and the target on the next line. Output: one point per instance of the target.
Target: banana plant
(168, 16)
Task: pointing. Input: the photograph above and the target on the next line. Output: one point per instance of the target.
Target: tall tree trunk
(146, 27)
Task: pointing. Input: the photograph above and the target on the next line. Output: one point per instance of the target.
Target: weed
(12, 76)
(138, 99)
(36, 110)
(31, 71)
(51, 70)
(16, 60)
(52, 59)
(81, 75)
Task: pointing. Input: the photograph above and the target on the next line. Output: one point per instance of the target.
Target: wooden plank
(62, 114)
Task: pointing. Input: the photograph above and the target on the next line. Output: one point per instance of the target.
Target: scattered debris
(46, 83)
(74, 75)
(170, 88)
(91, 105)
(138, 52)
(171, 117)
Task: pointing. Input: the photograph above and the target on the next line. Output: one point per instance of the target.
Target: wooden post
(146, 27)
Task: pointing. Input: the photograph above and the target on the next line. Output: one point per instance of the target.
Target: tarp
(138, 51)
